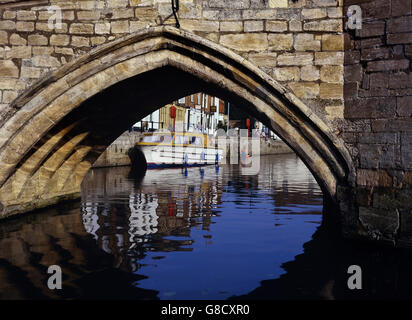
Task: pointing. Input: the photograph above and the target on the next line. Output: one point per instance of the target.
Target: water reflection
(147, 225)
(320, 272)
(208, 233)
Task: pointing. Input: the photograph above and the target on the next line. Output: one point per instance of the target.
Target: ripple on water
(199, 234)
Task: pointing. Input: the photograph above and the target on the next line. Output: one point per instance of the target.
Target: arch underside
(59, 126)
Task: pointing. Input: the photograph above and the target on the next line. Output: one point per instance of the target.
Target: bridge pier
(380, 214)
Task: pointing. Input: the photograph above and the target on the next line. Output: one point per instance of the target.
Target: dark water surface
(200, 233)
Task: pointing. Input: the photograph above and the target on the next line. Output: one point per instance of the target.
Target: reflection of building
(90, 218)
(124, 218)
(143, 219)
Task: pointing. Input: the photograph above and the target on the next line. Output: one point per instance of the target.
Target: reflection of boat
(165, 149)
(173, 176)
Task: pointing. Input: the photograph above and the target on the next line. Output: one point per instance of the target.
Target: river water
(196, 233)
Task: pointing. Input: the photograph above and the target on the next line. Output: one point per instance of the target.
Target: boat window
(158, 139)
(196, 141)
(180, 140)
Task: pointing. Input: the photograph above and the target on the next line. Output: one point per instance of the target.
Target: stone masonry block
(331, 42)
(309, 73)
(331, 74)
(278, 3)
(245, 42)
(228, 4)
(280, 42)
(287, 74)
(8, 69)
(331, 91)
(59, 40)
(26, 15)
(295, 59)
(121, 26)
(332, 58)
(276, 26)
(253, 26)
(81, 28)
(37, 40)
(306, 42)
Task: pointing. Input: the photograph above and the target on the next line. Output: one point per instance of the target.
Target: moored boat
(177, 149)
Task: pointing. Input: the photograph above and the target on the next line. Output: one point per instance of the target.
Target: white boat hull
(168, 156)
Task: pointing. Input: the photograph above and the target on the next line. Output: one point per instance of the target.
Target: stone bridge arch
(57, 128)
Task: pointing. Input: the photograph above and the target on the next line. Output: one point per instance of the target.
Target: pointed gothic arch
(56, 128)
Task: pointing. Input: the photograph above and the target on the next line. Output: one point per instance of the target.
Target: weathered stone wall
(298, 42)
(378, 110)
(117, 153)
